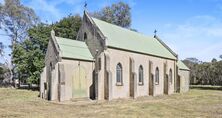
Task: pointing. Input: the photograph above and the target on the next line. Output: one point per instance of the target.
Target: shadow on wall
(92, 87)
(206, 87)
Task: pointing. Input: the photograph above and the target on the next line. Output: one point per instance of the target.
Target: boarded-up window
(141, 75)
(119, 74)
(157, 75)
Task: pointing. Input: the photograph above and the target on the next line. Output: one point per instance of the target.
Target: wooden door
(79, 83)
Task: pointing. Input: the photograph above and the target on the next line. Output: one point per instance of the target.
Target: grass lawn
(195, 103)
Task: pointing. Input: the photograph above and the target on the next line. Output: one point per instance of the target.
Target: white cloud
(48, 10)
(199, 36)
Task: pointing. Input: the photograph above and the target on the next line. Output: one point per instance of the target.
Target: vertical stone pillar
(61, 82)
(110, 85)
(154, 85)
(54, 83)
(109, 75)
(135, 84)
(42, 82)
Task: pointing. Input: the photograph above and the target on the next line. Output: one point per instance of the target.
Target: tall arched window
(119, 74)
(141, 75)
(157, 75)
(170, 76)
(85, 36)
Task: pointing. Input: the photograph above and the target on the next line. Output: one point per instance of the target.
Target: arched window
(119, 74)
(157, 75)
(85, 36)
(141, 75)
(170, 76)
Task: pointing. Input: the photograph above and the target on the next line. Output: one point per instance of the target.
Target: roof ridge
(123, 38)
(139, 33)
(68, 39)
(73, 46)
(166, 46)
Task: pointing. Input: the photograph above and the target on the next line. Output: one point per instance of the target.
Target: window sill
(119, 84)
(140, 84)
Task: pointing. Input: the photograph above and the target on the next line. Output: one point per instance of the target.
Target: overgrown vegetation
(205, 73)
(196, 103)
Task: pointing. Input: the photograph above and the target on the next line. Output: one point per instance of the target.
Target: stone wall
(51, 58)
(184, 80)
(123, 57)
(66, 68)
(93, 37)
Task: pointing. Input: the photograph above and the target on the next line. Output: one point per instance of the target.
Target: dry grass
(196, 103)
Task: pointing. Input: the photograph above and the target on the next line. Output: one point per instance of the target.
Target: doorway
(79, 85)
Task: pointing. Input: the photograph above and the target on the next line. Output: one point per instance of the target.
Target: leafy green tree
(205, 73)
(29, 55)
(1, 73)
(15, 20)
(214, 60)
(68, 27)
(118, 14)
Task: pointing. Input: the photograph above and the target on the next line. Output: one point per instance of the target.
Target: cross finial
(155, 31)
(85, 5)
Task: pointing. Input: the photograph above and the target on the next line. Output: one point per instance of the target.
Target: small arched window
(85, 36)
(119, 74)
(140, 75)
(170, 76)
(157, 75)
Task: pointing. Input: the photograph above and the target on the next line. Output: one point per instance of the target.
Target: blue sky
(192, 28)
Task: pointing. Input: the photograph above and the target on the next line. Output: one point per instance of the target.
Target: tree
(1, 73)
(118, 14)
(16, 19)
(193, 60)
(214, 60)
(205, 72)
(220, 56)
(68, 27)
(29, 55)
(1, 48)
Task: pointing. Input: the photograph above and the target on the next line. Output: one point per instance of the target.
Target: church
(109, 62)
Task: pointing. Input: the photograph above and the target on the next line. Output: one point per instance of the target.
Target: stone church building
(108, 62)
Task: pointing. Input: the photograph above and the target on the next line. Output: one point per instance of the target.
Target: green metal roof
(182, 66)
(74, 49)
(122, 38)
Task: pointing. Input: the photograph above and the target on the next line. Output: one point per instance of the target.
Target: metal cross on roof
(155, 31)
(85, 5)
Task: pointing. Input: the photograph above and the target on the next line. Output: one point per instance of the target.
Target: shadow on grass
(205, 87)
